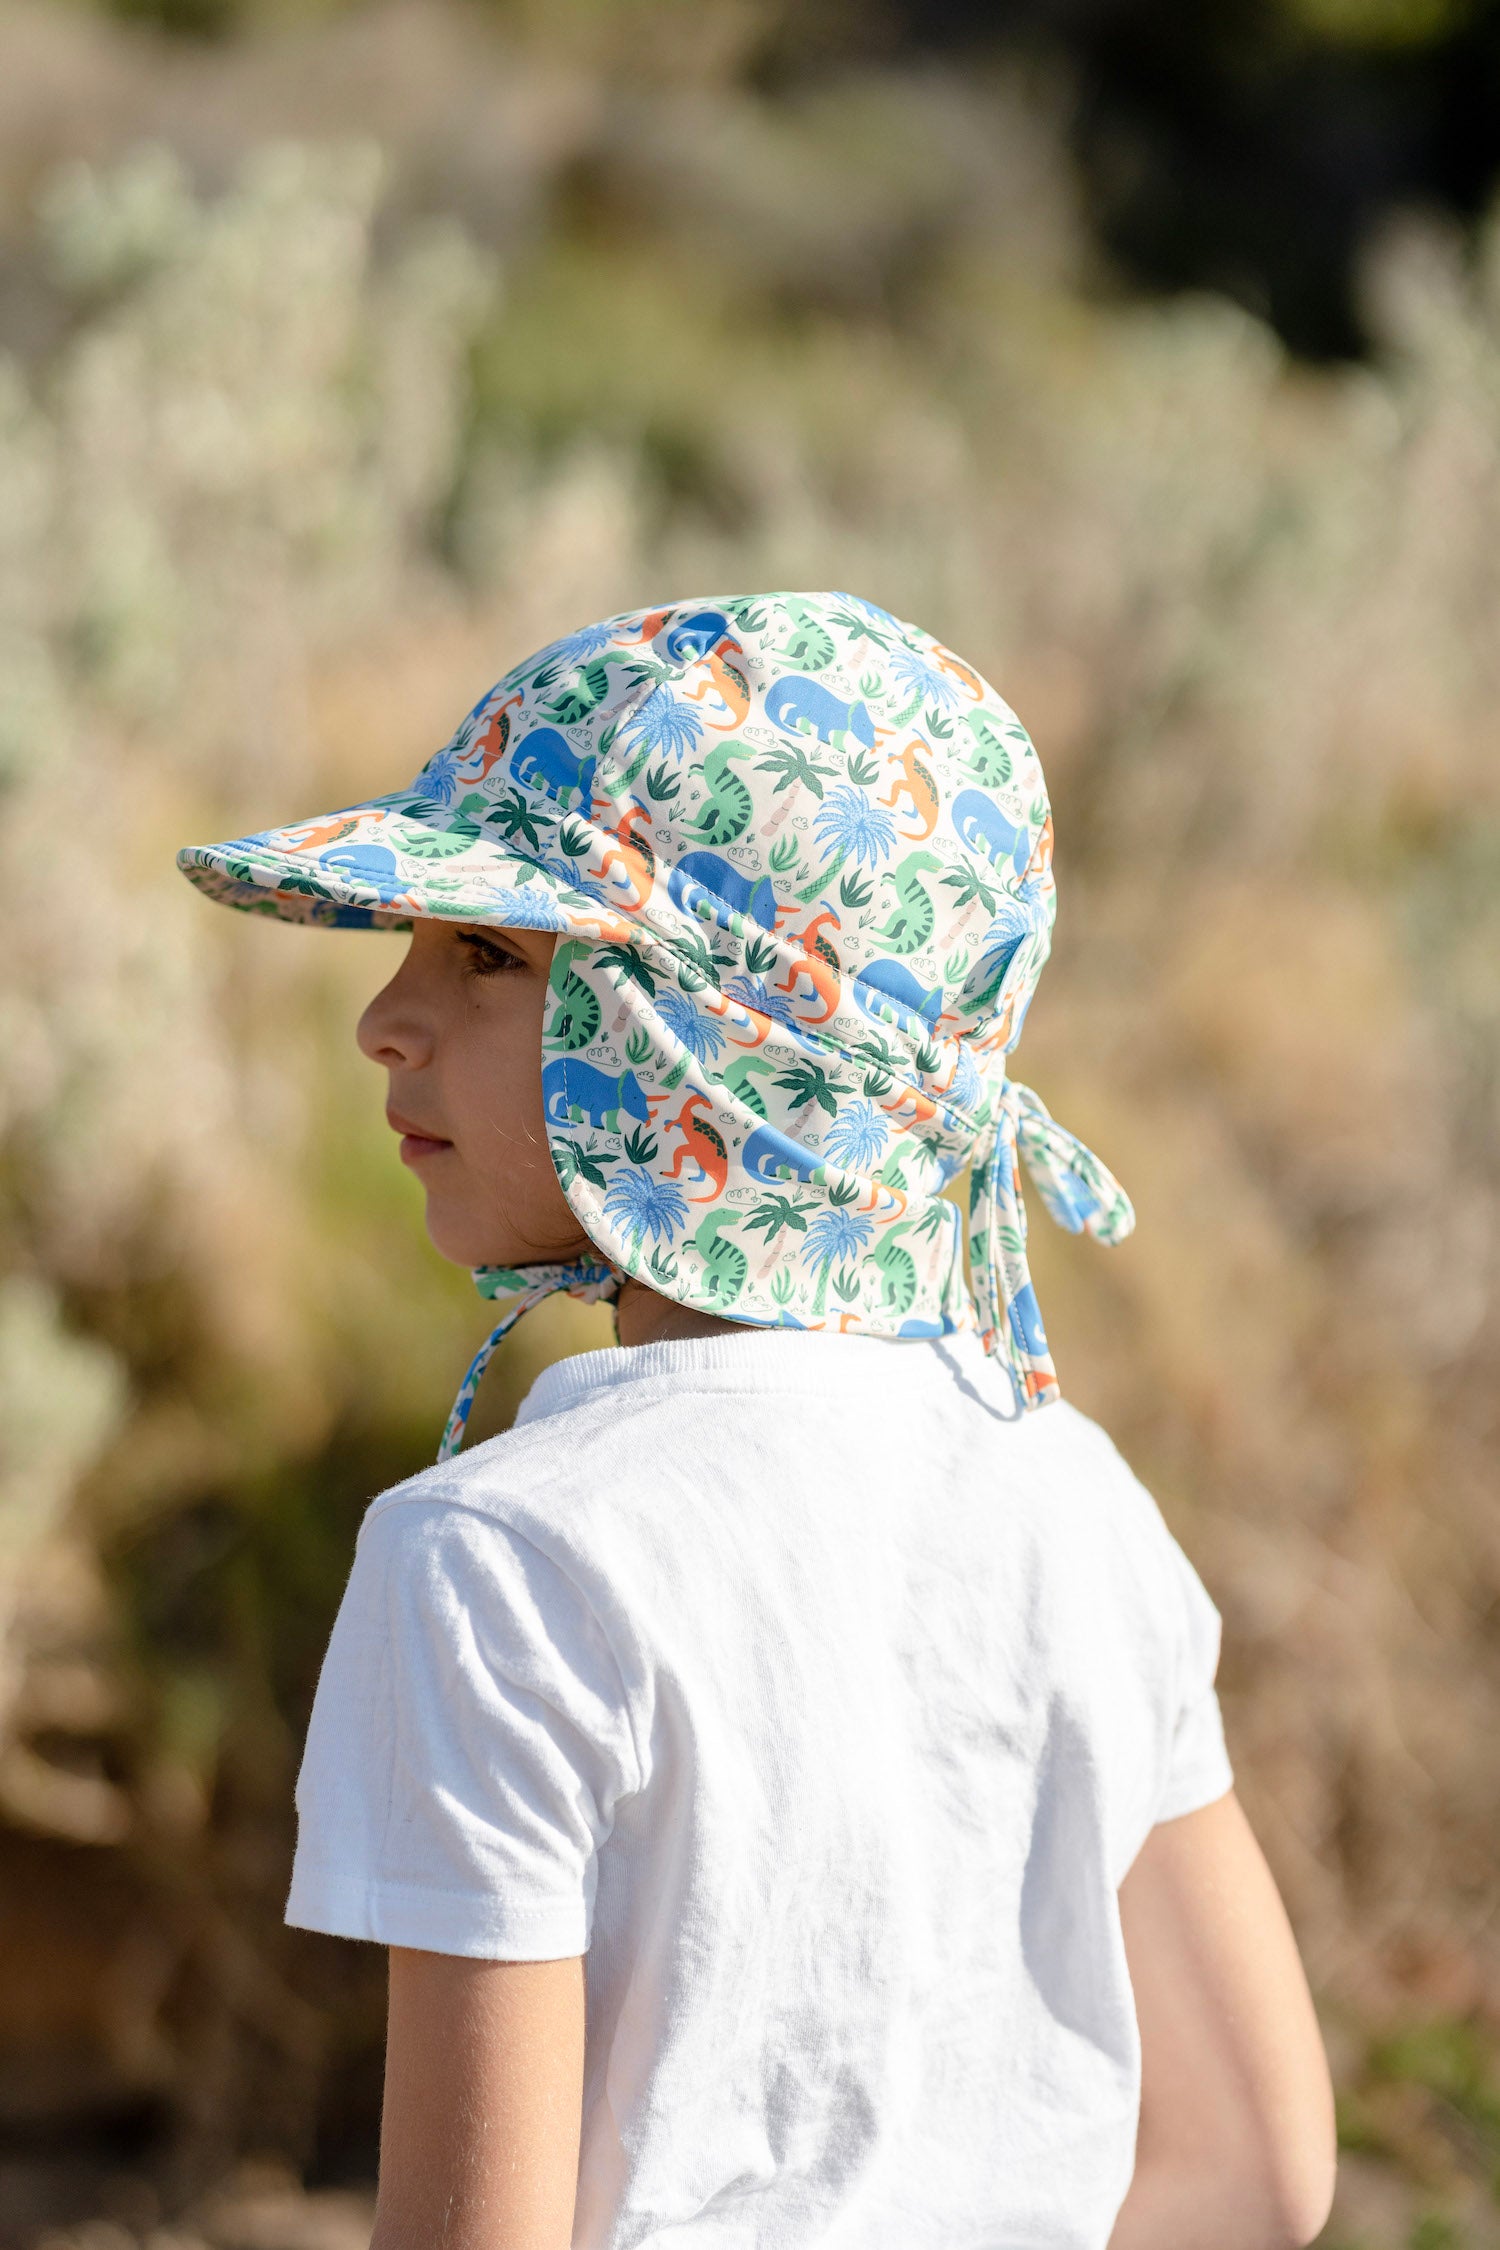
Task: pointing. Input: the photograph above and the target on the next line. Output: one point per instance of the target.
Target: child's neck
(644, 1316)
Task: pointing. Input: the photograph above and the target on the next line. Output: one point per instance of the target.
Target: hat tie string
(521, 1287)
(1079, 1192)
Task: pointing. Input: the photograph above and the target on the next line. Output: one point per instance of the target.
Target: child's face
(459, 1029)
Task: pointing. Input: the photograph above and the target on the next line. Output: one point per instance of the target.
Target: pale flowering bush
(229, 472)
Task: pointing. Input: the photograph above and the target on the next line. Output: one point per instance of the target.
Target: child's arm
(483, 2101)
(1236, 2142)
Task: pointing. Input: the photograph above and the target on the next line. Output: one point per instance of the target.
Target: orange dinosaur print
(909, 1107)
(916, 780)
(735, 1013)
(634, 860)
(603, 927)
(702, 1144)
(1041, 859)
(312, 835)
(728, 686)
(651, 625)
(492, 740)
(820, 967)
(956, 668)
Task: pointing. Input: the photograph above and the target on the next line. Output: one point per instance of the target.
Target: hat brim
(387, 863)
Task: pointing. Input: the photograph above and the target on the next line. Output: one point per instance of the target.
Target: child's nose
(391, 1031)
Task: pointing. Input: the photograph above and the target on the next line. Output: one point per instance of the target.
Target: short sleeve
(1198, 1768)
(469, 1741)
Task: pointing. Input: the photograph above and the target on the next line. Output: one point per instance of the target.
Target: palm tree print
(663, 722)
(693, 1030)
(624, 966)
(834, 1235)
(810, 1082)
(850, 826)
(921, 677)
(440, 775)
(778, 1212)
(970, 882)
(574, 650)
(794, 763)
(642, 1204)
(513, 815)
(858, 1138)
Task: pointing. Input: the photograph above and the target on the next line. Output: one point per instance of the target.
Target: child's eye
(486, 956)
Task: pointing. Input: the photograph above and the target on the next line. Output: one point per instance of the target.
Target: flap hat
(799, 859)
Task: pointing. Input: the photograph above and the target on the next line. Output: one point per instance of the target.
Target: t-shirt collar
(761, 1353)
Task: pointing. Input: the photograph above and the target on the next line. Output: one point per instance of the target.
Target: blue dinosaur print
(769, 1155)
(571, 1087)
(980, 822)
(547, 760)
(894, 981)
(704, 875)
(807, 707)
(694, 636)
(1026, 1319)
(371, 864)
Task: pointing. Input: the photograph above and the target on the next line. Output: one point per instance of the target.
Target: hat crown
(798, 787)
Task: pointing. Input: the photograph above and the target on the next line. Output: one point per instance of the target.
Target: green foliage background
(351, 357)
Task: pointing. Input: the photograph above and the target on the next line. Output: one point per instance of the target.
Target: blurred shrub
(292, 468)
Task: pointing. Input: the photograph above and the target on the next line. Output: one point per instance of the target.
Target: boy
(803, 1666)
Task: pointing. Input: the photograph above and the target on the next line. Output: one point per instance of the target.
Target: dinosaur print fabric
(799, 859)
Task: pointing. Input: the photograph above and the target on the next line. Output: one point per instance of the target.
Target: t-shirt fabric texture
(823, 1699)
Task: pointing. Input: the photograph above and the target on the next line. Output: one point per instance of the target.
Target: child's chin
(464, 1244)
(471, 1238)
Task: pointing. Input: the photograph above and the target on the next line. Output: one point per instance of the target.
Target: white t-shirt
(823, 1700)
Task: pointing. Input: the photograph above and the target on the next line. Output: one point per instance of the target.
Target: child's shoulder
(490, 1477)
(1077, 1459)
(562, 1482)
(1093, 1482)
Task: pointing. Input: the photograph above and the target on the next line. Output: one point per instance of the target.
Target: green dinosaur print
(910, 923)
(897, 1268)
(578, 1013)
(739, 1079)
(729, 808)
(724, 1262)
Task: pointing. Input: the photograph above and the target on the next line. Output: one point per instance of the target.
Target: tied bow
(1080, 1194)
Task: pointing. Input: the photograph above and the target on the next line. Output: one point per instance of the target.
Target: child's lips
(416, 1143)
(417, 1147)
